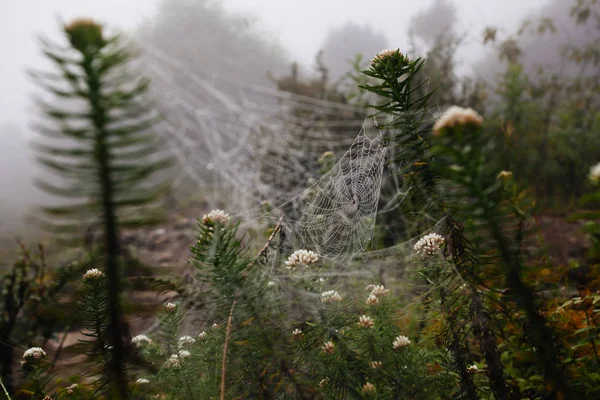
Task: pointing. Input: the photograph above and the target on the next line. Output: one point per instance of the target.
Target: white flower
(330, 296)
(401, 341)
(216, 216)
(92, 274)
(173, 362)
(379, 290)
(140, 340)
(383, 55)
(428, 244)
(71, 388)
(215, 325)
(34, 353)
(271, 284)
(595, 173)
(328, 347)
(184, 354)
(323, 382)
(366, 322)
(170, 307)
(141, 381)
(376, 364)
(301, 257)
(296, 333)
(372, 300)
(472, 369)
(185, 340)
(368, 388)
(457, 116)
(202, 335)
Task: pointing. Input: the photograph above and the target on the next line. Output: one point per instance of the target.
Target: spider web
(247, 146)
(339, 222)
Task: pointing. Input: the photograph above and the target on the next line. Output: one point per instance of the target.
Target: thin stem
(225, 347)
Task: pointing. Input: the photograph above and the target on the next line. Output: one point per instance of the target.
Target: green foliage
(98, 143)
(95, 134)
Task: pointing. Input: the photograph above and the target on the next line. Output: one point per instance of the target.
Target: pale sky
(300, 26)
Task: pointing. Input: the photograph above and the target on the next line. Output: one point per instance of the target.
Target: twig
(265, 247)
(225, 346)
(4, 388)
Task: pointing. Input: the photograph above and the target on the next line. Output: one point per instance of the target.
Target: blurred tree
(434, 23)
(203, 38)
(96, 139)
(342, 45)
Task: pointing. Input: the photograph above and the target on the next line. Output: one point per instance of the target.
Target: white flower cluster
(141, 340)
(170, 307)
(377, 291)
(383, 55)
(184, 354)
(173, 362)
(368, 388)
(366, 322)
(400, 341)
(457, 116)
(71, 388)
(472, 369)
(296, 333)
(92, 274)
(376, 364)
(330, 296)
(202, 335)
(429, 244)
(328, 347)
(216, 216)
(301, 257)
(34, 353)
(595, 173)
(185, 340)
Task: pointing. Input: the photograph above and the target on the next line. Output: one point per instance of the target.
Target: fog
(289, 31)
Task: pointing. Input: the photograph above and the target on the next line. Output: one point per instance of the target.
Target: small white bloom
(457, 116)
(271, 284)
(330, 296)
(328, 347)
(141, 340)
(595, 173)
(173, 362)
(368, 388)
(400, 341)
(366, 322)
(170, 307)
(71, 388)
(216, 216)
(323, 382)
(202, 335)
(376, 364)
(379, 291)
(34, 353)
(472, 369)
(215, 325)
(428, 245)
(372, 300)
(92, 274)
(142, 381)
(184, 354)
(296, 333)
(185, 340)
(301, 257)
(383, 55)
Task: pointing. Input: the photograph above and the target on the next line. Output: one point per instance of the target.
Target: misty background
(250, 41)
